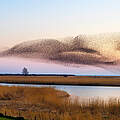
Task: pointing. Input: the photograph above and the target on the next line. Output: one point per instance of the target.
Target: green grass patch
(1, 118)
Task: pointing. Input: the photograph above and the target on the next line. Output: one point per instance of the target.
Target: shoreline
(112, 81)
(28, 83)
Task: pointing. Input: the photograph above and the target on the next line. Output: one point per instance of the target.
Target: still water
(82, 92)
(15, 65)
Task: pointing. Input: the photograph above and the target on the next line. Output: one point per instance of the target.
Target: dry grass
(29, 101)
(51, 104)
(70, 80)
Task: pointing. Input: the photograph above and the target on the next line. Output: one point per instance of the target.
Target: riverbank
(63, 80)
(29, 102)
(51, 104)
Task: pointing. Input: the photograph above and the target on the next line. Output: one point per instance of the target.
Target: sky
(15, 65)
(22, 20)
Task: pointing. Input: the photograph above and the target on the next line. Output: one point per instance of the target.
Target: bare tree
(25, 71)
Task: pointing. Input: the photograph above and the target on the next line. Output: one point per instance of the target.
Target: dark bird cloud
(82, 49)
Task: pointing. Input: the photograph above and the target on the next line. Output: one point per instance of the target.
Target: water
(82, 92)
(15, 65)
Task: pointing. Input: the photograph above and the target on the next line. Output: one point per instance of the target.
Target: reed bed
(63, 80)
(51, 104)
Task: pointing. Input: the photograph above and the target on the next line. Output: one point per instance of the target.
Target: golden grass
(48, 104)
(70, 80)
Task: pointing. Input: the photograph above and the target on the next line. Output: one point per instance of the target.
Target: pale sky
(22, 20)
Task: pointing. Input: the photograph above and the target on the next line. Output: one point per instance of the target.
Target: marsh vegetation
(50, 104)
(63, 80)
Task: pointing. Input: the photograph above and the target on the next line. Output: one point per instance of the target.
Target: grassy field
(51, 104)
(61, 80)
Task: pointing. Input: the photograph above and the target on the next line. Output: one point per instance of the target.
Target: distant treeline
(65, 75)
(37, 75)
